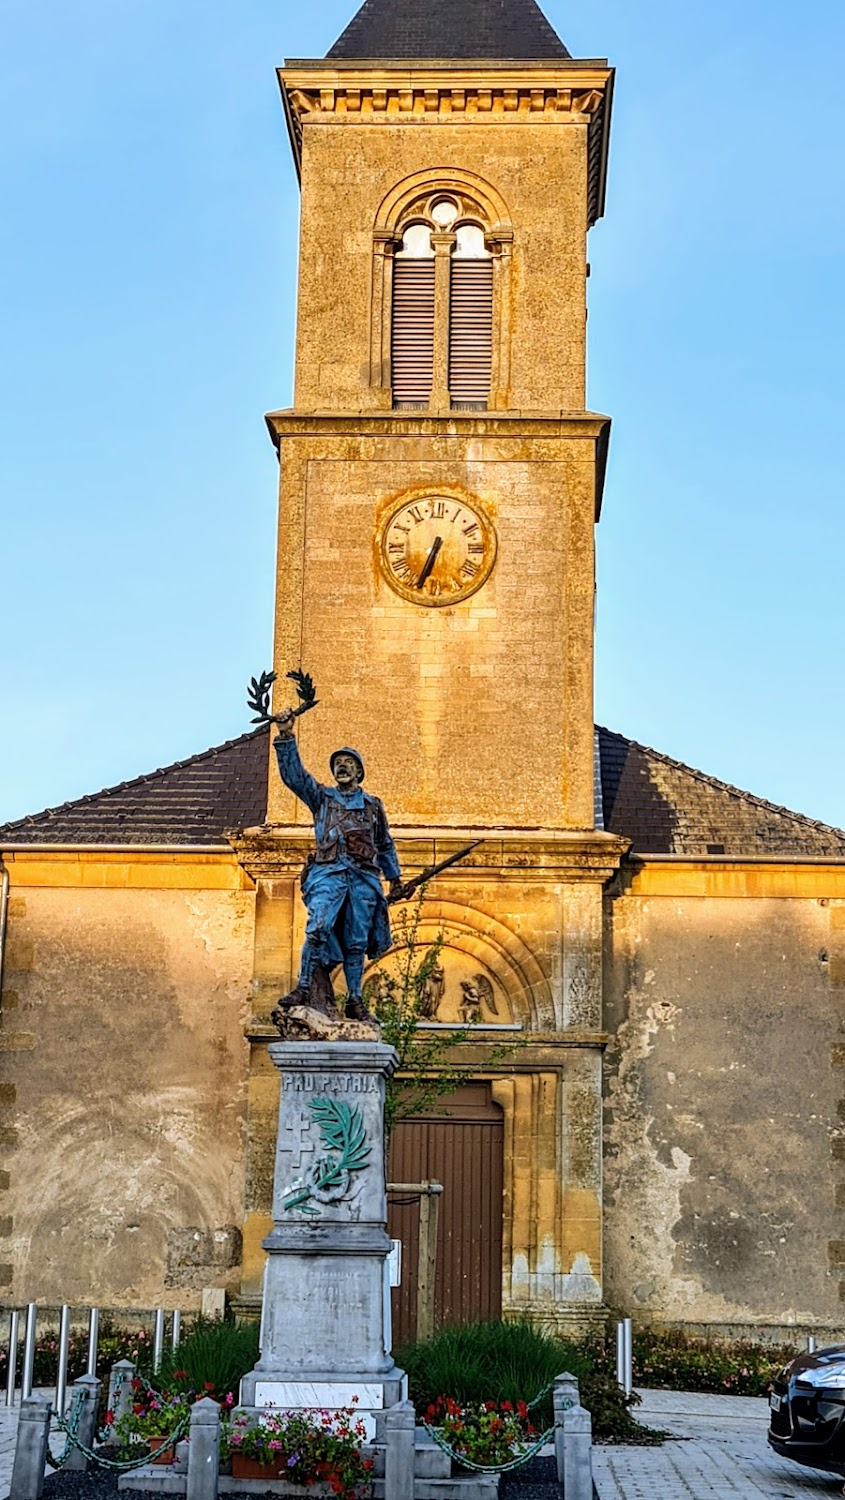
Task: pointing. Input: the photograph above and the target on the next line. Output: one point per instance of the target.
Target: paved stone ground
(724, 1455)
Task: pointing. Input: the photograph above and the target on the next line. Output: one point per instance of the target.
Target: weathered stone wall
(123, 1069)
(724, 1107)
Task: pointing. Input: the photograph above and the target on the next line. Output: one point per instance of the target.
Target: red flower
(209, 1385)
(522, 1409)
(507, 1406)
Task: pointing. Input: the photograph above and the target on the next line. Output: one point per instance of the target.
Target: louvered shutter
(412, 341)
(471, 332)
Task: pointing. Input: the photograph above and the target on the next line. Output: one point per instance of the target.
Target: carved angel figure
(476, 992)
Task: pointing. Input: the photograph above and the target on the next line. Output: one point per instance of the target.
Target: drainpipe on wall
(4, 912)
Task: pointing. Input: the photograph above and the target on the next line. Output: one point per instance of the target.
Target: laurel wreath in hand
(341, 1131)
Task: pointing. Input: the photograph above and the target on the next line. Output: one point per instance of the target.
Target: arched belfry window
(441, 331)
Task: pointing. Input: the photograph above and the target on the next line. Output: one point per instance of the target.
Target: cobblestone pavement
(724, 1454)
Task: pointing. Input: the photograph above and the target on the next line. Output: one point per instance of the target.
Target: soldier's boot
(356, 1010)
(297, 996)
(321, 993)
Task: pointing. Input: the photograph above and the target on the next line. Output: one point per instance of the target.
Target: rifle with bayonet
(410, 886)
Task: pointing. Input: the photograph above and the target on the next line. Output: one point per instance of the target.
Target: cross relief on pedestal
(296, 1128)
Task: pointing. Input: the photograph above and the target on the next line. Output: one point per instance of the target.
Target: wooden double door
(459, 1143)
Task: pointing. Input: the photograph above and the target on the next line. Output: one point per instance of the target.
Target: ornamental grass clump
(303, 1447)
(514, 1362)
(211, 1360)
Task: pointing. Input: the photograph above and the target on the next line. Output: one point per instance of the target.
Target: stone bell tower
(441, 477)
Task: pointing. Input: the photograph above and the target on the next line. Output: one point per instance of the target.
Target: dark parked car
(807, 1416)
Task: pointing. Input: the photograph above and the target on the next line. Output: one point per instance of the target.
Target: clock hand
(429, 562)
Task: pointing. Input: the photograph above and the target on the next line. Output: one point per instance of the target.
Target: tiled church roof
(190, 802)
(668, 808)
(662, 806)
(449, 29)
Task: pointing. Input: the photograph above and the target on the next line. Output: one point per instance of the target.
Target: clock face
(437, 550)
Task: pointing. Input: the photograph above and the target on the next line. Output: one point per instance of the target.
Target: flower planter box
(154, 1444)
(253, 1468)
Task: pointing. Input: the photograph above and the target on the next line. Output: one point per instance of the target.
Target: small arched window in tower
(471, 320)
(412, 337)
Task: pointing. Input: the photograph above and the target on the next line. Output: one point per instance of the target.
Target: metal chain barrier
(70, 1429)
(514, 1463)
(468, 1463)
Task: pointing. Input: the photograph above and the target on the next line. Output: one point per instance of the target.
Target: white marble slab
(290, 1394)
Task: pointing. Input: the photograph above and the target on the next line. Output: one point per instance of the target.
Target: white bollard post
(93, 1339)
(811, 1345)
(12, 1368)
(31, 1449)
(158, 1338)
(625, 1355)
(28, 1351)
(203, 1451)
(399, 1429)
(566, 1396)
(61, 1376)
(85, 1400)
(578, 1454)
(176, 1329)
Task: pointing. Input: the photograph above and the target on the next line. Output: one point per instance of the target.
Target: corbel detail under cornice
(314, 93)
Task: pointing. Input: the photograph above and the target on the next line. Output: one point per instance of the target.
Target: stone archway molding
(500, 950)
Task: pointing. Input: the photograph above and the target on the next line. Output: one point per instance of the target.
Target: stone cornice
(561, 92)
(517, 425)
(512, 424)
(275, 851)
(531, 1050)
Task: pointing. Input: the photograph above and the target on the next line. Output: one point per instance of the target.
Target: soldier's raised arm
(292, 771)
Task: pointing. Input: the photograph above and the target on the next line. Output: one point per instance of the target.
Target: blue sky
(147, 295)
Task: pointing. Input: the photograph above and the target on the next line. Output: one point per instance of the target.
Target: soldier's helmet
(345, 750)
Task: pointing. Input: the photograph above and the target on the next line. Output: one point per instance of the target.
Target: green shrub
(515, 1362)
(210, 1360)
(114, 1344)
(682, 1362)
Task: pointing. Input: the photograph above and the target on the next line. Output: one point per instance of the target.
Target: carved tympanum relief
(458, 991)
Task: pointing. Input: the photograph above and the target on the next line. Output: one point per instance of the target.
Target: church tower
(441, 477)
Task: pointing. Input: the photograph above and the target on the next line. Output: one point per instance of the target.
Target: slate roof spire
(497, 30)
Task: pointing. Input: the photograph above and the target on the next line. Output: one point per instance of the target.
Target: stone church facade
(664, 954)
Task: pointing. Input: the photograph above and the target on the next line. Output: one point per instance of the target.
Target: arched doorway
(459, 1143)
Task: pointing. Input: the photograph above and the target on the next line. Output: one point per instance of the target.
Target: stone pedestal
(323, 1332)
